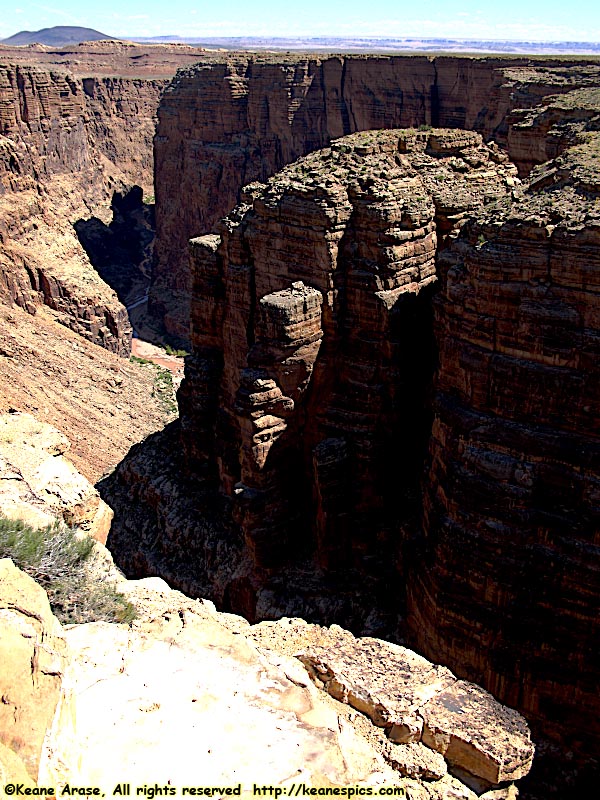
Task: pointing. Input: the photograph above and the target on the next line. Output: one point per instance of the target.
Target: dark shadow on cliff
(122, 251)
(171, 525)
(166, 524)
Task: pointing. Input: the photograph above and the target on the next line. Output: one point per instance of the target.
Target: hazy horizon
(515, 20)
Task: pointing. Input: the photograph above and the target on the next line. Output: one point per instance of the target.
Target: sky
(532, 20)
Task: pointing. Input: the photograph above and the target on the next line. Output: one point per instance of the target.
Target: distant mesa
(56, 37)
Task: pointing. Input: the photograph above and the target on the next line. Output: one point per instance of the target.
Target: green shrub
(164, 390)
(171, 351)
(60, 561)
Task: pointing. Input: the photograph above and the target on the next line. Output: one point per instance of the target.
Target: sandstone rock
(47, 168)
(298, 323)
(449, 788)
(387, 682)
(33, 655)
(68, 141)
(471, 729)
(416, 761)
(214, 136)
(160, 689)
(39, 484)
(509, 793)
(12, 768)
(67, 387)
(400, 690)
(512, 472)
(514, 455)
(180, 694)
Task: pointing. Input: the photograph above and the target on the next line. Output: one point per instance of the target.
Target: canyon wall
(305, 412)
(228, 122)
(308, 407)
(312, 349)
(509, 577)
(66, 143)
(305, 397)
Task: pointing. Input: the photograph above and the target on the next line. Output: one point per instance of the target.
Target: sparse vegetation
(163, 384)
(60, 560)
(163, 389)
(171, 351)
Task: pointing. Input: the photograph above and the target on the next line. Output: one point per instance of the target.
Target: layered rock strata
(234, 120)
(65, 144)
(503, 582)
(509, 580)
(310, 343)
(312, 360)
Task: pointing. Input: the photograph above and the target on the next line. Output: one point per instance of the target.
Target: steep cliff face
(305, 404)
(304, 401)
(65, 144)
(510, 567)
(317, 336)
(226, 123)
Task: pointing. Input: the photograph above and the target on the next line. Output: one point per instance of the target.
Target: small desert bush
(59, 560)
(171, 351)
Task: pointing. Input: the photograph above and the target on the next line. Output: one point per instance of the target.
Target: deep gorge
(391, 409)
(307, 397)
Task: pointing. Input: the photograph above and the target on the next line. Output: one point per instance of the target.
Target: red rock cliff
(305, 399)
(509, 572)
(228, 122)
(311, 349)
(65, 144)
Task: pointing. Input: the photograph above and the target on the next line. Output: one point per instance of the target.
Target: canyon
(389, 417)
(390, 414)
(76, 128)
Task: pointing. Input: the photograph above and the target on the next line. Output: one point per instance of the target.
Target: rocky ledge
(247, 711)
(39, 484)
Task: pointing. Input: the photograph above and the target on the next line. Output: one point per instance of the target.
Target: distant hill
(56, 37)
